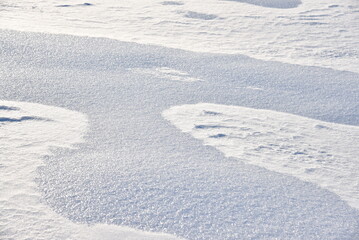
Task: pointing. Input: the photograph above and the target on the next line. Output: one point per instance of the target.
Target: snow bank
(27, 133)
(319, 152)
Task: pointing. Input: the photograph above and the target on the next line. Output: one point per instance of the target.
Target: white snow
(28, 132)
(319, 152)
(316, 33)
(135, 169)
(257, 162)
(166, 73)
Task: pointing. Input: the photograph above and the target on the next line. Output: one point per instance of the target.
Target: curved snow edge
(315, 151)
(27, 132)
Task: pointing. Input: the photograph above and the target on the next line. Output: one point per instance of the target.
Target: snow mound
(27, 133)
(319, 152)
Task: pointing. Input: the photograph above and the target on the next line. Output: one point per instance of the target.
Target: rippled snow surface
(317, 33)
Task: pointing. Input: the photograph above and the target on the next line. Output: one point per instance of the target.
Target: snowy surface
(28, 132)
(313, 32)
(272, 147)
(165, 73)
(134, 168)
(315, 151)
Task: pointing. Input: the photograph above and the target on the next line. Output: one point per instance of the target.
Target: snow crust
(315, 151)
(315, 33)
(28, 132)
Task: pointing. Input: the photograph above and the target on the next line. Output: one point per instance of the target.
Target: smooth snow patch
(166, 73)
(319, 152)
(255, 88)
(23, 144)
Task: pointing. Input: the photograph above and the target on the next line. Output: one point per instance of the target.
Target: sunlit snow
(28, 132)
(184, 119)
(319, 152)
(316, 33)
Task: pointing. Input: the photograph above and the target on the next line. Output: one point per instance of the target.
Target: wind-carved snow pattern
(314, 33)
(319, 152)
(166, 73)
(27, 133)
